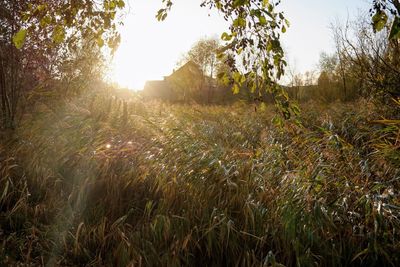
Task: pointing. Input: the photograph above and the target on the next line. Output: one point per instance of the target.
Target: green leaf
(161, 14)
(46, 20)
(225, 79)
(59, 34)
(100, 41)
(41, 8)
(296, 109)
(235, 89)
(277, 121)
(121, 4)
(253, 87)
(237, 3)
(395, 30)
(226, 37)
(239, 22)
(19, 38)
(379, 20)
(242, 79)
(262, 20)
(263, 106)
(112, 5)
(237, 77)
(25, 16)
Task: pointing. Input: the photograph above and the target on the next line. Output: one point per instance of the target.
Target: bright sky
(150, 49)
(309, 32)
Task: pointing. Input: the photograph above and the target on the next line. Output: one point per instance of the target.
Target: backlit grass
(100, 181)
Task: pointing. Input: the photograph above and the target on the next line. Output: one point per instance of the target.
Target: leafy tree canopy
(69, 21)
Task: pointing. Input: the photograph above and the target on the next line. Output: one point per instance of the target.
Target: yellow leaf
(19, 38)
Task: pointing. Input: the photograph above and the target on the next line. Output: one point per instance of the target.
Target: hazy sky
(150, 49)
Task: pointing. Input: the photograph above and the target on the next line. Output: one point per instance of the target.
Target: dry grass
(98, 182)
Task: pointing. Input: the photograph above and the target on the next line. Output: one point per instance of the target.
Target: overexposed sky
(150, 49)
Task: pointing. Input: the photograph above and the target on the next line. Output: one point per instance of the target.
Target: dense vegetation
(96, 180)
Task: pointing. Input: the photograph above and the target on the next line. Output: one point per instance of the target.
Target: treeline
(365, 64)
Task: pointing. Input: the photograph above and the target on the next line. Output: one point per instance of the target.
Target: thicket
(96, 180)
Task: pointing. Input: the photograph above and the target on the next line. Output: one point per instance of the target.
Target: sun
(130, 68)
(150, 49)
(125, 75)
(142, 54)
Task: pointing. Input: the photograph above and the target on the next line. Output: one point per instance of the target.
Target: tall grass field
(96, 180)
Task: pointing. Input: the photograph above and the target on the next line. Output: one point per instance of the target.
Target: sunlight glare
(150, 49)
(132, 68)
